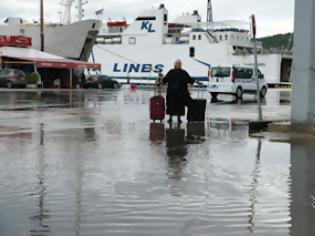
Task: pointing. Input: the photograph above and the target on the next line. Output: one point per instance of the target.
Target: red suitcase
(157, 108)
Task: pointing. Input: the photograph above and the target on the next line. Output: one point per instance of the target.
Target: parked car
(236, 80)
(10, 78)
(102, 81)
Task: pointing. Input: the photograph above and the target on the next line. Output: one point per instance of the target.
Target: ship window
(132, 40)
(244, 73)
(199, 37)
(165, 17)
(194, 37)
(192, 52)
(146, 18)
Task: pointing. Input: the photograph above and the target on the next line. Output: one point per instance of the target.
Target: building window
(132, 40)
(194, 37)
(226, 37)
(199, 37)
(220, 38)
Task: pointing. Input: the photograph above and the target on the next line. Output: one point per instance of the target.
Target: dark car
(101, 81)
(10, 78)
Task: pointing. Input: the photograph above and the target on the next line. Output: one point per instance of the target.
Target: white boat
(148, 46)
(71, 40)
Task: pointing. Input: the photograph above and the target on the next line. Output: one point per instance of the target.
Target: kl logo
(146, 25)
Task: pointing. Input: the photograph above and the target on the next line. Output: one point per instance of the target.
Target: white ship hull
(150, 45)
(124, 62)
(72, 41)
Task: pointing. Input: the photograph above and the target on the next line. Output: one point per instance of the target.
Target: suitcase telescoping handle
(156, 87)
(198, 90)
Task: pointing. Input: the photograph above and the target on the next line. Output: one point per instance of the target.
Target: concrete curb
(258, 126)
(289, 128)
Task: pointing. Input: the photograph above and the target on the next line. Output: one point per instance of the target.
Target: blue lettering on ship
(146, 25)
(138, 68)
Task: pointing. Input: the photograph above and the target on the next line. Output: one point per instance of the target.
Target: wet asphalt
(92, 163)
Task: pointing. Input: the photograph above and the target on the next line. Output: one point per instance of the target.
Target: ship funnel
(209, 12)
(162, 6)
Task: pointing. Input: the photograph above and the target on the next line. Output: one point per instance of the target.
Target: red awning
(59, 63)
(42, 59)
(68, 64)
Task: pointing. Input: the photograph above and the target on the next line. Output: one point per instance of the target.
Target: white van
(236, 80)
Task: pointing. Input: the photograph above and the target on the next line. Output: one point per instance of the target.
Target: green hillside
(279, 41)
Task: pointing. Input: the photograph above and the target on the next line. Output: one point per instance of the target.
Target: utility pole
(80, 10)
(60, 17)
(209, 12)
(303, 96)
(256, 76)
(42, 22)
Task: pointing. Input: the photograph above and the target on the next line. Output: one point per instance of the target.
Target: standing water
(90, 163)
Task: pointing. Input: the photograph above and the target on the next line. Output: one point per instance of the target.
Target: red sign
(15, 41)
(66, 64)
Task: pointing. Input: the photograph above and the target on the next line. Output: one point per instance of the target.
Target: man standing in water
(177, 96)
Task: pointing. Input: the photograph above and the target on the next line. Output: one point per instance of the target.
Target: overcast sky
(273, 16)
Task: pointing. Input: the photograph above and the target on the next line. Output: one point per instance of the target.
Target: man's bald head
(178, 64)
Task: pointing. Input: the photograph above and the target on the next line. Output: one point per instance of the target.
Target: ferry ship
(140, 51)
(71, 40)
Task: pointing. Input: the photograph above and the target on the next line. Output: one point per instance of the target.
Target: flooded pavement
(92, 163)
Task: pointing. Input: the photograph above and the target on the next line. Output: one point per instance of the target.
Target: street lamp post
(256, 76)
(42, 22)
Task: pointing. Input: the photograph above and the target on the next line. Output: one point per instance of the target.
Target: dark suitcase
(157, 108)
(197, 110)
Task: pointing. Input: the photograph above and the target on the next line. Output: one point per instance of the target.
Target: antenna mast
(209, 12)
(79, 6)
(67, 6)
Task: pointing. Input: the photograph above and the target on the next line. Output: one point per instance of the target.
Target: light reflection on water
(101, 168)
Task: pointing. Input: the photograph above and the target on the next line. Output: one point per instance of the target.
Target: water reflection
(177, 141)
(253, 193)
(196, 133)
(231, 100)
(176, 147)
(176, 137)
(302, 206)
(176, 150)
(42, 228)
(157, 132)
